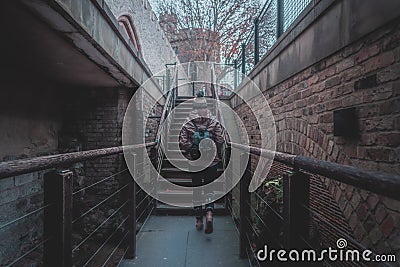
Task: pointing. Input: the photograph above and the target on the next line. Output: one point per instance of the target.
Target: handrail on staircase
(218, 113)
(165, 119)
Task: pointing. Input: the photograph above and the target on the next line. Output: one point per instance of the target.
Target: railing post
(168, 78)
(244, 204)
(176, 81)
(131, 253)
(235, 77)
(280, 18)
(58, 218)
(256, 42)
(228, 177)
(296, 192)
(244, 58)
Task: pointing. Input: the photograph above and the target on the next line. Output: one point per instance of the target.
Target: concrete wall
(30, 120)
(156, 49)
(339, 55)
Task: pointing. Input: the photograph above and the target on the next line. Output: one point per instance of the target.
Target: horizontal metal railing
(378, 182)
(18, 167)
(263, 219)
(64, 210)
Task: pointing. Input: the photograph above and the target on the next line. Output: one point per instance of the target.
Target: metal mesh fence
(268, 27)
(292, 9)
(274, 19)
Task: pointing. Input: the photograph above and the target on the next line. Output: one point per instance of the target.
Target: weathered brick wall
(364, 75)
(153, 122)
(20, 195)
(29, 124)
(93, 119)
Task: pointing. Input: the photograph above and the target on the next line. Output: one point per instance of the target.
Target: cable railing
(165, 119)
(290, 210)
(83, 224)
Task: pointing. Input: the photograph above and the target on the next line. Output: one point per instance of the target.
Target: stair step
(174, 192)
(181, 115)
(166, 184)
(183, 108)
(184, 97)
(178, 120)
(171, 143)
(175, 125)
(177, 180)
(174, 153)
(169, 162)
(175, 160)
(172, 172)
(183, 170)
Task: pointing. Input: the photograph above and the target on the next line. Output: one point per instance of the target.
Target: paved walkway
(174, 241)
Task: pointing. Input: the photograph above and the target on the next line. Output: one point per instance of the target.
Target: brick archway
(364, 214)
(126, 22)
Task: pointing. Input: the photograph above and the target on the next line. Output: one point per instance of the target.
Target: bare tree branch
(208, 27)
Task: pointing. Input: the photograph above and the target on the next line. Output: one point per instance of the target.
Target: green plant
(276, 186)
(117, 219)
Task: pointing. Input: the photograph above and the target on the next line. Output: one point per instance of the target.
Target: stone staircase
(183, 106)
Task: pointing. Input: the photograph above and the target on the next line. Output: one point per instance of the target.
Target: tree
(208, 29)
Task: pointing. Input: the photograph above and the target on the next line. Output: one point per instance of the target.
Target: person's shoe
(199, 224)
(209, 223)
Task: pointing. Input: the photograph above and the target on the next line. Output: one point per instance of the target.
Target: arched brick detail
(370, 218)
(126, 22)
(311, 140)
(296, 136)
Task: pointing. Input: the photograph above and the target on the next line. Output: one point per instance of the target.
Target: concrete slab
(174, 241)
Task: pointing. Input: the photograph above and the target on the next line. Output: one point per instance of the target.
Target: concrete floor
(174, 241)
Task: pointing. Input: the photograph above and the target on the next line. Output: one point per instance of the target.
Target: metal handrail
(219, 113)
(382, 183)
(164, 125)
(22, 166)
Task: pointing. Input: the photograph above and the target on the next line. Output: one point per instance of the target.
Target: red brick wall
(303, 108)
